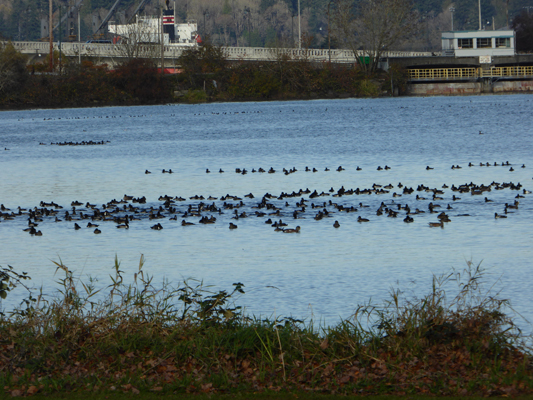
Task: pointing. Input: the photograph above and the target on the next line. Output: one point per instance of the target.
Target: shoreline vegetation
(206, 76)
(148, 338)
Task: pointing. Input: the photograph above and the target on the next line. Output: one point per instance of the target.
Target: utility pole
(51, 36)
(299, 28)
(59, 39)
(79, 36)
(162, 44)
(329, 35)
(452, 10)
(479, 7)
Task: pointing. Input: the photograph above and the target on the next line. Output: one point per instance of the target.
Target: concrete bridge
(115, 53)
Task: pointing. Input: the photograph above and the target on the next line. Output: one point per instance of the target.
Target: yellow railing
(507, 71)
(442, 73)
(465, 73)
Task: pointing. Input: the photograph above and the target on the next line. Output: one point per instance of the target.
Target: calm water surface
(322, 272)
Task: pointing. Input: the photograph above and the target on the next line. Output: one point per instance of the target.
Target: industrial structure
(147, 30)
(478, 43)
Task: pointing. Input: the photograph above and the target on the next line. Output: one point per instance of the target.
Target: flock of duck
(435, 206)
(82, 143)
(271, 170)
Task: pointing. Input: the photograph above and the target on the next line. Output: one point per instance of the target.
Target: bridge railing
(232, 53)
(517, 71)
(470, 73)
(443, 73)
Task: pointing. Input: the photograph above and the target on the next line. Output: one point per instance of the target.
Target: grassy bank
(143, 338)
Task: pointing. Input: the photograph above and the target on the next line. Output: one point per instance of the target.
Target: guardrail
(175, 50)
(470, 73)
(507, 71)
(443, 73)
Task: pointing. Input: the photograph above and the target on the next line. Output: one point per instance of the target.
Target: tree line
(267, 23)
(205, 75)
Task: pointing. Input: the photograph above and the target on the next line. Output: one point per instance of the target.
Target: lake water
(321, 272)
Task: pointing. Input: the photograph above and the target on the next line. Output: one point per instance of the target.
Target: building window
(484, 43)
(503, 42)
(465, 43)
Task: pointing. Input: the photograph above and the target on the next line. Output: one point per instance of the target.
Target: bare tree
(141, 39)
(372, 27)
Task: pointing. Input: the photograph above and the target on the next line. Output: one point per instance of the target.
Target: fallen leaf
(32, 390)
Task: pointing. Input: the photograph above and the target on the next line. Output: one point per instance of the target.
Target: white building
(478, 43)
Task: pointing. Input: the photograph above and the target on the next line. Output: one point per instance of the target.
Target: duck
(295, 230)
(360, 219)
(511, 206)
(443, 217)
(97, 231)
(157, 227)
(232, 225)
(436, 224)
(336, 224)
(428, 168)
(496, 216)
(147, 172)
(76, 226)
(185, 223)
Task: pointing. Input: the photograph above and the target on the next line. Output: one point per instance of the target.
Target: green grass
(141, 338)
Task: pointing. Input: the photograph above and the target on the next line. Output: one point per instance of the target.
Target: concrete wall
(512, 86)
(439, 89)
(466, 88)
